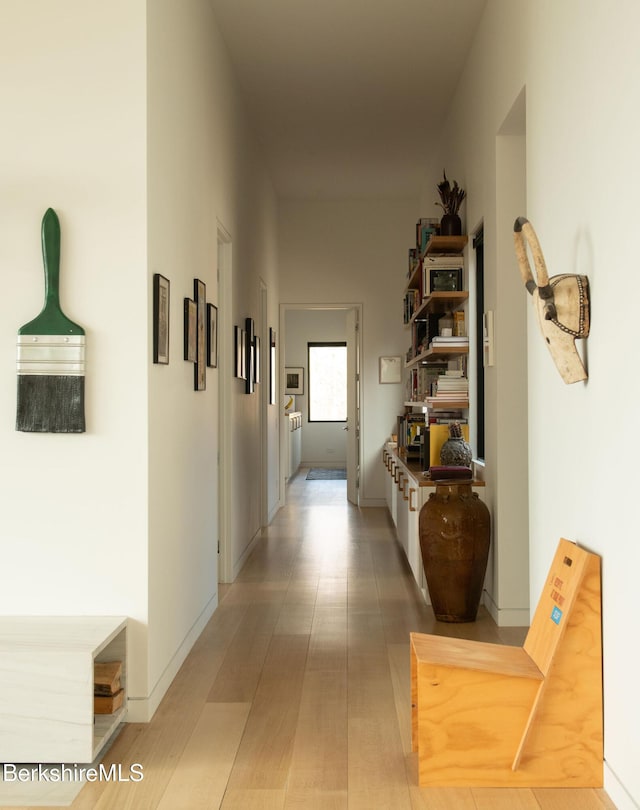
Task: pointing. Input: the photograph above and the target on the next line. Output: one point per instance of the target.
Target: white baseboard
(367, 503)
(506, 617)
(141, 710)
(237, 567)
(617, 792)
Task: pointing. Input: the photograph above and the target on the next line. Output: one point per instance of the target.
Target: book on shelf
(459, 327)
(450, 342)
(426, 227)
(411, 304)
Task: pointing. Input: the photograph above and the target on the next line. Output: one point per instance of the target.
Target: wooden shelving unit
(440, 302)
(445, 244)
(438, 353)
(422, 312)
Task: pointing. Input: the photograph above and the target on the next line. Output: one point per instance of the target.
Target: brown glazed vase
(454, 541)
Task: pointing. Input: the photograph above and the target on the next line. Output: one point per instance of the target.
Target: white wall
(74, 521)
(323, 443)
(355, 252)
(127, 120)
(581, 72)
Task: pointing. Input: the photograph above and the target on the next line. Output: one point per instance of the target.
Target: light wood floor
(297, 693)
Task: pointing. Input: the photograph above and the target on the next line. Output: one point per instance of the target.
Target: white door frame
(355, 436)
(225, 387)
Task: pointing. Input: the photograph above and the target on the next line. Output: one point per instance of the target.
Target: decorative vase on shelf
(454, 527)
(450, 225)
(456, 452)
(451, 197)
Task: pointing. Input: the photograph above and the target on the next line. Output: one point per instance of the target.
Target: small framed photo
(272, 366)
(200, 296)
(294, 381)
(256, 360)
(390, 370)
(160, 319)
(190, 330)
(212, 336)
(250, 356)
(239, 336)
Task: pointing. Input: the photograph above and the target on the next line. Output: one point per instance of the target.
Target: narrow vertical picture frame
(190, 330)
(200, 370)
(238, 341)
(250, 355)
(212, 336)
(161, 289)
(272, 366)
(256, 360)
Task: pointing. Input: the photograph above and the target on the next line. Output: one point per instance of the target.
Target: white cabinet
(405, 497)
(294, 442)
(406, 493)
(46, 686)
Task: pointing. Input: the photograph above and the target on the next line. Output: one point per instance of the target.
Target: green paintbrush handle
(51, 321)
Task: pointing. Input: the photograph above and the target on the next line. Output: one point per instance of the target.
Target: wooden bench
(492, 715)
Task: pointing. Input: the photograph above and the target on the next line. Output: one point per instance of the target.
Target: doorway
(324, 444)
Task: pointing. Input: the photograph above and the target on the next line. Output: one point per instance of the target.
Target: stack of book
(108, 693)
(451, 387)
(450, 341)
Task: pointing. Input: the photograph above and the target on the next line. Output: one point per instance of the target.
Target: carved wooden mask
(561, 303)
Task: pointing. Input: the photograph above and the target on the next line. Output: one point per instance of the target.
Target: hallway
(297, 693)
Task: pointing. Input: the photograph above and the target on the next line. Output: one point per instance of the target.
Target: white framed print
(390, 370)
(294, 380)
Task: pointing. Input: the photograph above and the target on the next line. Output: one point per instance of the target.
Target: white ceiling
(346, 95)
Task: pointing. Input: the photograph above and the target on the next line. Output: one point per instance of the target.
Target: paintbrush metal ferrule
(51, 355)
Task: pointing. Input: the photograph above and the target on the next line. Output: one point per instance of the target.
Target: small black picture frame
(190, 330)
(212, 336)
(161, 296)
(200, 370)
(272, 366)
(250, 358)
(239, 338)
(256, 360)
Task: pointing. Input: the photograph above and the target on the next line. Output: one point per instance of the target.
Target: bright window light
(327, 382)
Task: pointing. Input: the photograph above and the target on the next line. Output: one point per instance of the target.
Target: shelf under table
(46, 686)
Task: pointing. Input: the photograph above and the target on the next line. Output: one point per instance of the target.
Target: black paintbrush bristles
(50, 404)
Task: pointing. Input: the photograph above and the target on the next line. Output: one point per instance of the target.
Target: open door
(353, 405)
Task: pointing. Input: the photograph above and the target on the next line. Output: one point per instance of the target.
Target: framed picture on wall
(250, 356)
(190, 330)
(239, 337)
(294, 380)
(160, 319)
(272, 366)
(212, 336)
(390, 370)
(200, 296)
(256, 359)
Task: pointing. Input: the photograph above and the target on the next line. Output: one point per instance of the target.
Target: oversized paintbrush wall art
(51, 354)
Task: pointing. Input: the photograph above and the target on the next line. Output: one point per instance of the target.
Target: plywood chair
(495, 715)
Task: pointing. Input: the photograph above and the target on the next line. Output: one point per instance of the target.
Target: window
(327, 382)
